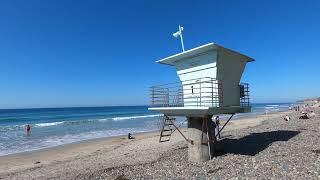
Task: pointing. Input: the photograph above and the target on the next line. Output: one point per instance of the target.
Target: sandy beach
(124, 90)
(261, 147)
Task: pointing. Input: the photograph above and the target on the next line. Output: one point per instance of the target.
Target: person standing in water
(28, 129)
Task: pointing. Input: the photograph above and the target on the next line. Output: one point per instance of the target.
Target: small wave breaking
(48, 124)
(272, 105)
(130, 117)
(93, 120)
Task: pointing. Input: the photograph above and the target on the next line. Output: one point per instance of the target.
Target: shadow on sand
(253, 143)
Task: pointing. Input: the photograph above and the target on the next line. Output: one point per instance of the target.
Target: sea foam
(134, 117)
(93, 120)
(48, 124)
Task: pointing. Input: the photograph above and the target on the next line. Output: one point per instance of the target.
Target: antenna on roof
(179, 33)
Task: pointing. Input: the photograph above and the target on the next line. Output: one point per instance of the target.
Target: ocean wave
(128, 117)
(18, 127)
(11, 128)
(8, 118)
(48, 124)
(99, 120)
(134, 117)
(51, 141)
(273, 105)
(106, 119)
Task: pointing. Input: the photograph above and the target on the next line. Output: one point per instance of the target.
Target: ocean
(57, 126)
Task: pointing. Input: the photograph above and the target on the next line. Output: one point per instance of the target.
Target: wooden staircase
(167, 128)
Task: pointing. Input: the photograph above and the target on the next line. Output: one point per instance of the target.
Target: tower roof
(200, 50)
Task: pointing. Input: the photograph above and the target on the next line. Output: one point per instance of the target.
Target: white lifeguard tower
(210, 84)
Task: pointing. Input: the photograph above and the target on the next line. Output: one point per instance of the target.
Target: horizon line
(65, 107)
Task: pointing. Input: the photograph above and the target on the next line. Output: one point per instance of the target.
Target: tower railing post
(200, 91)
(212, 93)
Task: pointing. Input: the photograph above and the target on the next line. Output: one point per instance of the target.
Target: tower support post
(201, 133)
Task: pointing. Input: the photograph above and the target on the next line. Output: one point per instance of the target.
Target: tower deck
(200, 111)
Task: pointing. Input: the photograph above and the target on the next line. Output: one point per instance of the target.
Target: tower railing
(244, 95)
(199, 92)
(195, 92)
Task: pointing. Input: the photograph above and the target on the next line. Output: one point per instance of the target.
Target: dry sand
(143, 157)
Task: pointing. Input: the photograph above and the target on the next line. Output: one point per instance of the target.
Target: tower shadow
(254, 143)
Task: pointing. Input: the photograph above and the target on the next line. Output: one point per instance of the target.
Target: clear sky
(94, 53)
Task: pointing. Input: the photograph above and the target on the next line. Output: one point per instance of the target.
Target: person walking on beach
(217, 121)
(28, 129)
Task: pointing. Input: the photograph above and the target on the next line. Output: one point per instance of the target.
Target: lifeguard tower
(209, 85)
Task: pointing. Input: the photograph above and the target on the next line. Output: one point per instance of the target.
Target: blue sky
(94, 53)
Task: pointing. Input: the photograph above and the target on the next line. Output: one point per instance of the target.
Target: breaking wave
(94, 120)
(48, 124)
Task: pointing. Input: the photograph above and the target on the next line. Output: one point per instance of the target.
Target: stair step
(165, 135)
(165, 140)
(168, 123)
(167, 129)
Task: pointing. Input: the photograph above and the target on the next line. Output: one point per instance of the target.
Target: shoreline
(63, 153)
(75, 143)
(144, 145)
(253, 116)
